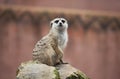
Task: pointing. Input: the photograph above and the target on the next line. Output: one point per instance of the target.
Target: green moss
(77, 75)
(57, 74)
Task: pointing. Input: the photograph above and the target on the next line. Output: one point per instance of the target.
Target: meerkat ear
(51, 24)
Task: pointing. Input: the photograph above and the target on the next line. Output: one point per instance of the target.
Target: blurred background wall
(94, 34)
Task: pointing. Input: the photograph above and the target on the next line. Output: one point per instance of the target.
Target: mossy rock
(66, 71)
(34, 70)
(77, 75)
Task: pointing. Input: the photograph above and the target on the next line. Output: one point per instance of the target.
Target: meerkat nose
(60, 24)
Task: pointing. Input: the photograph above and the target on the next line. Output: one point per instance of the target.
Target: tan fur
(49, 50)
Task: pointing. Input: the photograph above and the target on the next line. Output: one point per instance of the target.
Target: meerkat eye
(63, 21)
(56, 21)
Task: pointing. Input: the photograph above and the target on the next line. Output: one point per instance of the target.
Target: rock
(66, 71)
(34, 70)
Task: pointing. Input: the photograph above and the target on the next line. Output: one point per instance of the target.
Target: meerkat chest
(62, 40)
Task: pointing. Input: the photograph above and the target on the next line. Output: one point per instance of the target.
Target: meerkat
(49, 50)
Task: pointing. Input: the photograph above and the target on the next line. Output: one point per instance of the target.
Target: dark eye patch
(56, 21)
(63, 21)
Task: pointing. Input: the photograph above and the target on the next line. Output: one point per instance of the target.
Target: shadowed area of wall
(93, 47)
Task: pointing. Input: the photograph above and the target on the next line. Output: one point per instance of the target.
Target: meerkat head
(59, 24)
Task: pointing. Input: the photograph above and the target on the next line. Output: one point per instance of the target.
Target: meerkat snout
(60, 24)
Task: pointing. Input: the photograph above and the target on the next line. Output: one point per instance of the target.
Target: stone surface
(34, 70)
(66, 71)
